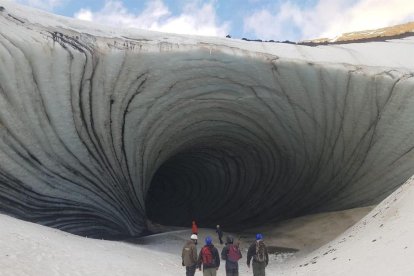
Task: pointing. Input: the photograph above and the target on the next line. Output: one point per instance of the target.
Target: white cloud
(266, 25)
(42, 4)
(84, 14)
(327, 18)
(194, 18)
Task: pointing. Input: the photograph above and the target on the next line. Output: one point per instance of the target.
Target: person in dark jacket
(209, 258)
(231, 253)
(258, 252)
(220, 234)
(189, 256)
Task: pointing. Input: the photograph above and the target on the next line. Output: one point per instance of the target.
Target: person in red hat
(194, 229)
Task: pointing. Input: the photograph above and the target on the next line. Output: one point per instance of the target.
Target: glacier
(103, 130)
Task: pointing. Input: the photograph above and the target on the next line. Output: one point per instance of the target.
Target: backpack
(260, 252)
(233, 255)
(207, 256)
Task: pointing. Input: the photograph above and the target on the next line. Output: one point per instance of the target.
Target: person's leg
(255, 269)
(207, 272)
(258, 269)
(261, 269)
(232, 272)
(264, 269)
(191, 270)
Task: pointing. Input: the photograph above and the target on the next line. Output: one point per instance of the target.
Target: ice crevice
(101, 132)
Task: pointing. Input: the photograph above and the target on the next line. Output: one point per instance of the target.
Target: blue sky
(265, 19)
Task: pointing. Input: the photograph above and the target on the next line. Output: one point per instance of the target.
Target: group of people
(208, 258)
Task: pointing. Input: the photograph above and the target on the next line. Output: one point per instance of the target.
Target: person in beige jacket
(189, 256)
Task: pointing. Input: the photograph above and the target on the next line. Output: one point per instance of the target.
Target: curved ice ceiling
(100, 132)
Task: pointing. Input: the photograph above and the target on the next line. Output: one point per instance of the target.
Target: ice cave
(103, 130)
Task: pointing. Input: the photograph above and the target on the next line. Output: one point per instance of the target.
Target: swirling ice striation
(100, 132)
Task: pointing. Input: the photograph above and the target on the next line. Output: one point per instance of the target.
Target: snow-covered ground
(381, 243)
(31, 249)
(310, 232)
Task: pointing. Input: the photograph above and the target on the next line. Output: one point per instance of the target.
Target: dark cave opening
(222, 181)
(194, 185)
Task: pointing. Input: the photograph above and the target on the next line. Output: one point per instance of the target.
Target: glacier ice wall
(101, 131)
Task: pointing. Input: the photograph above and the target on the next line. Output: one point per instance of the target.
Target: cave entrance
(206, 184)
